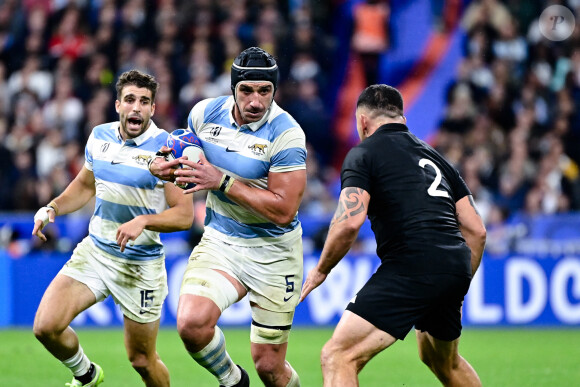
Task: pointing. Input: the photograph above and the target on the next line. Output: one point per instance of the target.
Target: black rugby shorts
(395, 302)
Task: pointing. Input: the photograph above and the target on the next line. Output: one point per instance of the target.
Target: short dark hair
(139, 79)
(382, 98)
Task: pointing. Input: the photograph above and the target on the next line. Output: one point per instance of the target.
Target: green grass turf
(506, 357)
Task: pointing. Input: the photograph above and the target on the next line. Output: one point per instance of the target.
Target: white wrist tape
(42, 214)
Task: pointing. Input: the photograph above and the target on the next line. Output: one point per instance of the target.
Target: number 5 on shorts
(289, 287)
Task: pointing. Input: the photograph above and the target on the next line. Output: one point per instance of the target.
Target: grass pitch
(507, 357)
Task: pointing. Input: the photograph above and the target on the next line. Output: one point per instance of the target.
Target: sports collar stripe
(255, 68)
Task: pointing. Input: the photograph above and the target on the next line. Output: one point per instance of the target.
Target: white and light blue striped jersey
(276, 143)
(125, 188)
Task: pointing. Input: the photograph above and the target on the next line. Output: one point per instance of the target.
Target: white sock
(216, 360)
(294, 379)
(79, 364)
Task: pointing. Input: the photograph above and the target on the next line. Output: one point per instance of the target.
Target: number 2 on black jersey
(432, 190)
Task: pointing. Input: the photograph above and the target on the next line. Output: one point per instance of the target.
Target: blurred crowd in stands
(511, 123)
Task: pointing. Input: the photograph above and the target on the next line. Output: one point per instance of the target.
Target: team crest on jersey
(142, 159)
(258, 149)
(215, 131)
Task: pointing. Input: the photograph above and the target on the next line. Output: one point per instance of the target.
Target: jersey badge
(258, 149)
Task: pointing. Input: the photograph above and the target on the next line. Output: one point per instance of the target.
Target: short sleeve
(356, 170)
(289, 151)
(459, 187)
(89, 152)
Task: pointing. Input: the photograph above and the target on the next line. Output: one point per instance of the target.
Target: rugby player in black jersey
(430, 239)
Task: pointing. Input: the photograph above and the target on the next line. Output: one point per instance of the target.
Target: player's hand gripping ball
(182, 142)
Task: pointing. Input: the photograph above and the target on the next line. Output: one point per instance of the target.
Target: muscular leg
(140, 342)
(271, 364)
(63, 300)
(197, 318)
(354, 342)
(443, 359)
(269, 337)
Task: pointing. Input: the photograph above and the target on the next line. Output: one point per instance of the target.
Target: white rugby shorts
(139, 288)
(272, 274)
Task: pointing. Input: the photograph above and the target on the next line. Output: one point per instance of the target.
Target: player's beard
(132, 133)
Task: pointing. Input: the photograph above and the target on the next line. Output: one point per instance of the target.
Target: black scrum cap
(254, 64)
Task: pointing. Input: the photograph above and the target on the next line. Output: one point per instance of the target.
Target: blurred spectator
(318, 200)
(69, 39)
(307, 108)
(6, 168)
(31, 78)
(64, 111)
(370, 37)
(481, 12)
(49, 153)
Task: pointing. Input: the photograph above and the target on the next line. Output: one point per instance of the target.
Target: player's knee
(143, 363)
(329, 354)
(46, 331)
(139, 362)
(195, 333)
(267, 368)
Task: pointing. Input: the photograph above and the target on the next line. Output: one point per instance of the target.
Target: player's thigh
(273, 273)
(195, 311)
(76, 287)
(213, 272)
(139, 288)
(357, 339)
(62, 301)
(435, 351)
(140, 338)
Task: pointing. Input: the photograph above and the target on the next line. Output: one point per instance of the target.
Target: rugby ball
(183, 142)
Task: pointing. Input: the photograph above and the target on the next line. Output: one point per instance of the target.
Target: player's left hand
(204, 175)
(42, 217)
(128, 232)
(163, 169)
(313, 280)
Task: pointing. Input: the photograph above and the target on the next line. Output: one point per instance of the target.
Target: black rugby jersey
(413, 192)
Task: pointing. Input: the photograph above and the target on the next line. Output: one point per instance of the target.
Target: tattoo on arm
(349, 204)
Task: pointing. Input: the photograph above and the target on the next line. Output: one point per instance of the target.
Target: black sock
(86, 378)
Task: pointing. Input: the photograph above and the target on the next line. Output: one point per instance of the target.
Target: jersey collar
(139, 139)
(394, 127)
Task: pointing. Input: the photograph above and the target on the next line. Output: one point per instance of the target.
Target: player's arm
(178, 217)
(472, 228)
(350, 215)
(74, 197)
(279, 203)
